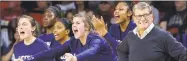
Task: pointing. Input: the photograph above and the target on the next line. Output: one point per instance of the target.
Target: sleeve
(123, 50)
(111, 40)
(54, 43)
(108, 36)
(52, 53)
(175, 48)
(44, 46)
(94, 48)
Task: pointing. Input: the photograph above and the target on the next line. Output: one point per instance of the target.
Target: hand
(70, 57)
(99, 25)
(18, 60)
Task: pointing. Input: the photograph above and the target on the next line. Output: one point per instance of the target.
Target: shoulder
(164, 35)
(96, 38)
(161, 32)
(46, 36)
(72, 41)
(130, 34)
(18, 44)
(40, 42)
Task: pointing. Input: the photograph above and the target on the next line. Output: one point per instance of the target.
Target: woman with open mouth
(117, 32)
(83, 46)
(62, 30)
(30, 45)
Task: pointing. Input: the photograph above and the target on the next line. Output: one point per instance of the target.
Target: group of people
(133, 37)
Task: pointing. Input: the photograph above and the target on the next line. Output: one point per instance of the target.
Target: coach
(148, 42)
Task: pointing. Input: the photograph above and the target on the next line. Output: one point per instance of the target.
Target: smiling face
(48, 19)
(59, 31)
(143, 16)
(25, 29)
(78, 27)
(121, 12)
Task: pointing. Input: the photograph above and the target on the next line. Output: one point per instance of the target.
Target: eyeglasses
(146, 16)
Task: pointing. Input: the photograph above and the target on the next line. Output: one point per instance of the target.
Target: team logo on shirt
(26, 57)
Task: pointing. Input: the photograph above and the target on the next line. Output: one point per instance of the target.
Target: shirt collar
(135, 31)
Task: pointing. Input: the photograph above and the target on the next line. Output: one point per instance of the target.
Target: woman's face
(78, 27)
(48, 19)
(25, 28)
(120, 13)
(59, 31)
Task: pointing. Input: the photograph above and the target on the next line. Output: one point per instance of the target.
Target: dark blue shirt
(157, 45)
(49, 39)
(26, 52)
(95, 49)
(182, 38)
(115, 34)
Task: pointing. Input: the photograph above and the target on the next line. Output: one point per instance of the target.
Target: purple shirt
(95, 49)
(26, 52)
(49, 39)
(115, 34)
(183, 40)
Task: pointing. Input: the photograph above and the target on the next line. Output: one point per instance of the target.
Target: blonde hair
(32, 21)
(86, 20)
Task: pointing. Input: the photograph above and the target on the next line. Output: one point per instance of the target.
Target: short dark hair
(67, 24)
(56, 10)
(129, 4)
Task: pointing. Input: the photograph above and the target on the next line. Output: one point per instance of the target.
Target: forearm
(94, 49)
(52, 53)
(8, 56)
(111, 40)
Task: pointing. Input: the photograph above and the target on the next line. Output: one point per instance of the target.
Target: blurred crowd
(169, 15)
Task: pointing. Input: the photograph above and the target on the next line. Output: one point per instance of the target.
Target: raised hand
(99, 25)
